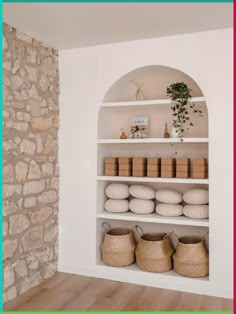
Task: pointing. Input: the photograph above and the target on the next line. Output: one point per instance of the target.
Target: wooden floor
(66, 292)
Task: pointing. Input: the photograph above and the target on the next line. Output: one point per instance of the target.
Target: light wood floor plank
(67, 292)
(83, 300)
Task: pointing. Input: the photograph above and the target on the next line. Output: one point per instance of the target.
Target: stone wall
(30, 168)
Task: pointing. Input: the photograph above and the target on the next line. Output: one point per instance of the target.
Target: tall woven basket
(154, 251)
(118, 246)
(191, 258)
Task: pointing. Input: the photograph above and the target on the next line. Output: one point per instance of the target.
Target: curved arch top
(156, 79)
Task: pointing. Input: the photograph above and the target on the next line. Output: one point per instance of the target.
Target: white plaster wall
(85, 76)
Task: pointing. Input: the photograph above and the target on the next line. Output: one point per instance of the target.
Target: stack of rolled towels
(137, 198)
(118, 195)
(169, 203)
(196, 203)
(140, 199)
(192, 203)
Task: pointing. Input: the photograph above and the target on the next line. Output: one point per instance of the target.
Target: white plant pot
(174, 133)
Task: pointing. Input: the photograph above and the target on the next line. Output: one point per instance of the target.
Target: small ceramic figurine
(123, 135)
(166, 133)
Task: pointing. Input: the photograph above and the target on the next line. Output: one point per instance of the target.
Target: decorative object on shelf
(196, 197)
(167, 167)
(191, 258)
(123, 136)
(117, 206)
(174, 133)
(154, 251)
(117, 191)
(153, 167)
(139, 167)
(142, 207)
(199, 168)
(169, 210)
(166, 133)
(169, 196)
(142, 192)
(180, 95)
(170, 203)
(125, 166)
(182, 167)
(139, 93)
(196, 211)
(111, 166)
(118, 246)
(139, 127)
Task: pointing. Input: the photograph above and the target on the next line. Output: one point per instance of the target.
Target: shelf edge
(154, 220)
(145, 102)
(153, 180)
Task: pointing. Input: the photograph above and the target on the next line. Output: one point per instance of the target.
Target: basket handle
(106, 226)
(176, 237)
(202, 238)
(169, 234)
(138, 229)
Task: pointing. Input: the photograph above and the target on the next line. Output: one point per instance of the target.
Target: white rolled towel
(196, 197)
(142, 192)
(117, 206)
(117, 191)
(169, 210)
(196, 211)
(142, 207)
(169, 196)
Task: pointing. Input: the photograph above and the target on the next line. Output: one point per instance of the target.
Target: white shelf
(154, 218)
(146, 102)
(153, 180)
(170, 274)
(153, 140)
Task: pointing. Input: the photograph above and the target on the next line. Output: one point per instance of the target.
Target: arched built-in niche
(156, 79)
(118, 108)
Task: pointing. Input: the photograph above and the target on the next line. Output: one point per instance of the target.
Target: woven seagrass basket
(154, 251)
(191, 258)
(118, 247)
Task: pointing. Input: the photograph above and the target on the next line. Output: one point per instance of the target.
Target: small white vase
(174, 133)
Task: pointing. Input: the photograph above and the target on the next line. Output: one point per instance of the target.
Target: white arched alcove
(117, 110)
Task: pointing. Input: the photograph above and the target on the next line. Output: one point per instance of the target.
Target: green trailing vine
(180, 96)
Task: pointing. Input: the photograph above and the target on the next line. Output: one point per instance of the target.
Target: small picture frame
(139, 127)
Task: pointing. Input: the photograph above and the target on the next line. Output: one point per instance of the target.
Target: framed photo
(139, 127)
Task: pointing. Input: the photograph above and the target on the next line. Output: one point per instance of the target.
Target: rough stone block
(33, 239)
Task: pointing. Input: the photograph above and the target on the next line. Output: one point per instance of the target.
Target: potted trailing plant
(180, 96)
